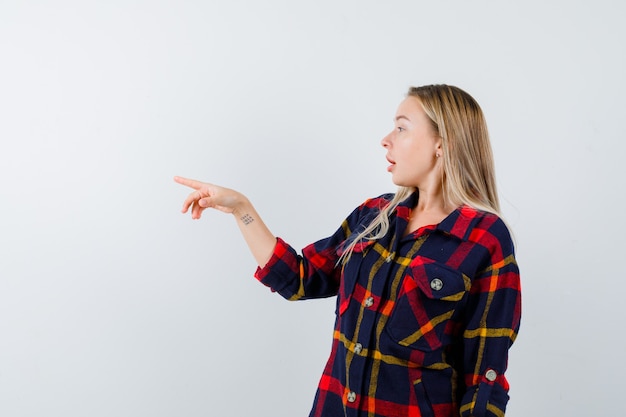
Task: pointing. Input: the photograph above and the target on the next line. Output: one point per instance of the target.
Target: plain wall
(112, 303)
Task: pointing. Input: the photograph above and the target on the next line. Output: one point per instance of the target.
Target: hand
(209, 196)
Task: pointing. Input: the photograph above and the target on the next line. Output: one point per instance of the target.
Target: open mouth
(391, 164)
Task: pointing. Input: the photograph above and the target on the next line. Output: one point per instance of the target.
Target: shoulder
(374, 205)
(365, 212)
(487, 229)
(377, 203)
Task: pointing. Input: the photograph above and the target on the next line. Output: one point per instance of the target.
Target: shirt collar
(459, 223)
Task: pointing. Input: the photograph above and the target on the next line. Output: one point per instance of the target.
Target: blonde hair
(468, 168)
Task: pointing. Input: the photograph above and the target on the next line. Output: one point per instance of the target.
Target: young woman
(428, 289)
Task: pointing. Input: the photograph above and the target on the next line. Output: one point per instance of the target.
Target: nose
(386, 141)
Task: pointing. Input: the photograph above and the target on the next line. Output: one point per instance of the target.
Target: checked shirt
(424, 321)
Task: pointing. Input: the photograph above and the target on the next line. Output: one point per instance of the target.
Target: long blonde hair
(468, 167)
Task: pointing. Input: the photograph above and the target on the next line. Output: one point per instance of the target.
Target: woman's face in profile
(412, 146)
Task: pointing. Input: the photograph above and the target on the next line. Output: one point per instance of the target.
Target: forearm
(259, 238)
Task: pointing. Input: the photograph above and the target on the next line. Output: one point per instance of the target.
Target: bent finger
(196, 210)
(191, 198)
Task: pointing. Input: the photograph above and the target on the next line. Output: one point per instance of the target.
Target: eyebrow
(401, 117)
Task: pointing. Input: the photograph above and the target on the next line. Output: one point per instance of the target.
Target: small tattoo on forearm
(247, 219)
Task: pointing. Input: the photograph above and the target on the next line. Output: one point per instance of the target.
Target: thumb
(204, 202)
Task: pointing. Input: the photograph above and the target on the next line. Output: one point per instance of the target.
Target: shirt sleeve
(315, 273)
(298, 277)
(494, 311)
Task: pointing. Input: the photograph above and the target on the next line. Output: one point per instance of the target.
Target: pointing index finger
(188, 182)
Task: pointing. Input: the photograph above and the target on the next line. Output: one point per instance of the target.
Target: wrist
(243, 208)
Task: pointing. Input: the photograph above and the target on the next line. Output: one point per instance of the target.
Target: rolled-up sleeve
(315, 273)
(297, 277)
(494, 311)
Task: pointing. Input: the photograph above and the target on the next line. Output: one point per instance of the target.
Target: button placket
(357, 367)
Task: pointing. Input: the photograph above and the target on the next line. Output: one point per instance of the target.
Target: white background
(112, 303)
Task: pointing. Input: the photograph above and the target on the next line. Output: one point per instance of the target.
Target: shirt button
(436, 284)
(491, 375)
(369, 301)
(358, 348)
(351, 396)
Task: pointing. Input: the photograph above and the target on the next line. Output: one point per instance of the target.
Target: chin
(400, 184)
(399, 181)
(406, 184)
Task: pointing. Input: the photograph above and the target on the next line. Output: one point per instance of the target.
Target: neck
(431, 200)
(430, 210)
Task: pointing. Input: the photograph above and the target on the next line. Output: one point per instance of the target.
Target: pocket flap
(439, 281)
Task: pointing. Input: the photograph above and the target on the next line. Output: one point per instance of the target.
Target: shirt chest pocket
(429, 295)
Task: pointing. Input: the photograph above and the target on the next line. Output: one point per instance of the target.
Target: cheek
(414, 155)
(418, 164)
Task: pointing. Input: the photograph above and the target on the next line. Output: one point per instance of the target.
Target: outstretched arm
(256, 234)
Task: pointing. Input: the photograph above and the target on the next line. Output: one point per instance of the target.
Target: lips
(391, 164)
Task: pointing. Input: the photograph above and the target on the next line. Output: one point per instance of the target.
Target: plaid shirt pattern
(424, 321)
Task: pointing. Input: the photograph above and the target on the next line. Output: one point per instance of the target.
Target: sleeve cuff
(488, 398)
(280, 271)
(279, 251)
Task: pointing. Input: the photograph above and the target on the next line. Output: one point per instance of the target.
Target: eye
(401, 129)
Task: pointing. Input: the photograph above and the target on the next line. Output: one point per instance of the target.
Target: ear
(438, 149)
